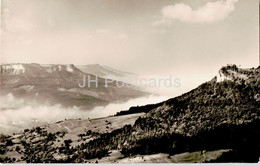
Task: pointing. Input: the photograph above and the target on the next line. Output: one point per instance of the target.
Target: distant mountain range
(105, 71)
(59, 84)
(215, 122)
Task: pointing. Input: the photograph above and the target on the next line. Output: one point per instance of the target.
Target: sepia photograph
(129, 81)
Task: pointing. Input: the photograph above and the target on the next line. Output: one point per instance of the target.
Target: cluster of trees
(4, 143)
(138, 109)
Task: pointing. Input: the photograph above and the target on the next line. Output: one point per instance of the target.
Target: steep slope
(59, 84)
(216, 115)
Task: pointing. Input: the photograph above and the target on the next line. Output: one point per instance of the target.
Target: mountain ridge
(105, 71)
(59, 84)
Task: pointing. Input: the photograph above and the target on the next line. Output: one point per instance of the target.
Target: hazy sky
(152, 37)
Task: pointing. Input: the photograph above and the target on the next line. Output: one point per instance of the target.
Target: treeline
(138, 109)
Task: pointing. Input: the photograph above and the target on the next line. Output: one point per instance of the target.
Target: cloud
(15, 24)
(123, 37)
(210, 12)
(102, 31)
(17, 116)
(163, 21)
(113, 108)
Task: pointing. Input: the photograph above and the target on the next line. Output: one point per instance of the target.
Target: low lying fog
(15, 116)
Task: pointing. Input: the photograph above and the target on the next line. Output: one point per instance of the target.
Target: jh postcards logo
(151, 82)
